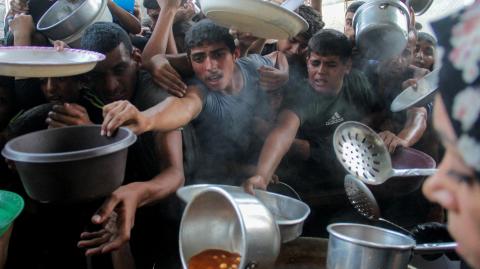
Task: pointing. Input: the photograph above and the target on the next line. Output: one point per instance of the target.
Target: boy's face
(325, 73)
(293, 46)
(61, 89)
(115, 78)
(424, 54)
(214, 65)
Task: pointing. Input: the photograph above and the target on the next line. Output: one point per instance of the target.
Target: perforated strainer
(363, 154)
(364, 202)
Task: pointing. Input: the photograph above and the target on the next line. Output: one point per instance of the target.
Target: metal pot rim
(60, 21)
(332, 231)
(282, 222)
(18, 156)
(231, 200)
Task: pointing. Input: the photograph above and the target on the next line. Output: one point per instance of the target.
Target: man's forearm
(172, 113)
(415, 126)
(276, 146)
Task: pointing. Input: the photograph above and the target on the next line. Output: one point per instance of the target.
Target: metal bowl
(289, 213)
(70, 164)
(66, 18)
(232, 221)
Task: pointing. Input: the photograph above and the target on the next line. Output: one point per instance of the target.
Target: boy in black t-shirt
(332, 94)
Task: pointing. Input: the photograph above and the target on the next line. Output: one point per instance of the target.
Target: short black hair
(353, 7)
(103, 37)
(314, 20)
(151, 4)
(207, 32)
(331, 42)
(422, 36)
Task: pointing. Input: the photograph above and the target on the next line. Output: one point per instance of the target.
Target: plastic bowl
(70, 164)
(11, 204)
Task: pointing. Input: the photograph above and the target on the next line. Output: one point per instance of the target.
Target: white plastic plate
(46, 61)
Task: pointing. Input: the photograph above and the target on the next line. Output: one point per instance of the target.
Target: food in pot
(214, 259)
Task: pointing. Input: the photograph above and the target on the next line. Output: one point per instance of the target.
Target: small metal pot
(381, 28)
(358, 246)
(66, 18)
(232, 221)
(70, 164)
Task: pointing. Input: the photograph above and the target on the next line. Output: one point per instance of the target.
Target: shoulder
(147, 92)
(254, 61)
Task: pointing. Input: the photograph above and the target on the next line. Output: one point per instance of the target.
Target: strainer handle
(413, 172)
(432, 248)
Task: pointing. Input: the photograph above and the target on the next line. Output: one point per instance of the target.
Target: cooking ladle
(364, 202)
(363, 154)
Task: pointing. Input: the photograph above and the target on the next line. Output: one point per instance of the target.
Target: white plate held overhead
(46, 61)
(419, 96)
(258, 17)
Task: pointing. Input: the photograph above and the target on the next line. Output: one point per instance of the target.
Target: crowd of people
(213, 105)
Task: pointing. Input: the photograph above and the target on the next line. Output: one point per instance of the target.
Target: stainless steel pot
(66, 18)
(358, 246)
(70, 164)
(289, 213)
(232, 221)
(381, 28)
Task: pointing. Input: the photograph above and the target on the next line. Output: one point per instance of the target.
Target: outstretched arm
(412, 131)
(124, 201)
(170, 114)
(275, 147)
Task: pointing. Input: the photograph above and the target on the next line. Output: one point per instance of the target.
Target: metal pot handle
(251, 265)
(433, 248)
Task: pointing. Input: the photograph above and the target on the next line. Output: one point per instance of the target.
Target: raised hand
(165, 76)
(272, 78)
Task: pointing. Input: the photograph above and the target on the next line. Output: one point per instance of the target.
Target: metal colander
(363, 154)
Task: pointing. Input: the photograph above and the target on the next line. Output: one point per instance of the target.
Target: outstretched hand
(117, 217)
(122, 113)
(255, 182)
(165, 76)
(392, 141)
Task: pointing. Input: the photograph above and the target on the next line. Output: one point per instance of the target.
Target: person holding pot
(456, 185)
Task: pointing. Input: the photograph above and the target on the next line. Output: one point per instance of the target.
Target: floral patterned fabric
(459, 41)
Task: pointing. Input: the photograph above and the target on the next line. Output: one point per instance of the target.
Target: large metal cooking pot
(232, 221)
(70, 164)
(358, 246)
(381, 28)
(70, 17)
